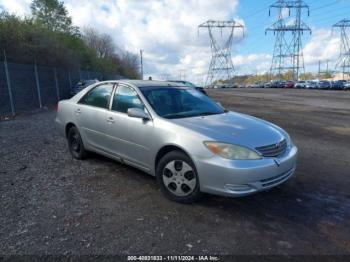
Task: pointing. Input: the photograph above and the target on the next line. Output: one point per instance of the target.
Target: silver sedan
(190, 143)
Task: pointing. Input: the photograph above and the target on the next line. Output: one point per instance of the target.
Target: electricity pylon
(221, 66)
(343, 61)
(287, 54)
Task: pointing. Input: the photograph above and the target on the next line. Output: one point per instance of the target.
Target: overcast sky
(167, 31)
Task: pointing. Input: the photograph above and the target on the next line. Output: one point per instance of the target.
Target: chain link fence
(28, 87)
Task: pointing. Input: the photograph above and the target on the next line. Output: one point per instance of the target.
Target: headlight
(230, 151)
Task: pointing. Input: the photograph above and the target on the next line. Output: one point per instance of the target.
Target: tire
(177, 177)
(75, 144)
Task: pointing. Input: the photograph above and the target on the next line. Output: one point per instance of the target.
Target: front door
(129, 136)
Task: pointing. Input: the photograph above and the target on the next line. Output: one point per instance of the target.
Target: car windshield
(186, 83)
(189, 84)
(180, 102)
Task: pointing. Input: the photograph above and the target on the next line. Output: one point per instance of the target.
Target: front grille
(271, 181)
(274, 149)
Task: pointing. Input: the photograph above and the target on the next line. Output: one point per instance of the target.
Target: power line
(289, 4)
(332, 18)
(324, 6)
(327, 14)
(255, 13)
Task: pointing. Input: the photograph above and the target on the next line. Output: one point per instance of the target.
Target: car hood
(234, 128)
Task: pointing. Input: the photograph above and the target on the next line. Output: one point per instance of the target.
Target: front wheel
(178, 178)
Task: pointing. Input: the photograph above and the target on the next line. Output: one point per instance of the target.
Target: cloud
(252, 63)
(167, 32)
(322, 46)
(165, 29)
(20, 7)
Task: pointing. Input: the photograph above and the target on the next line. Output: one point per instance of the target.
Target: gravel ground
(53, 204)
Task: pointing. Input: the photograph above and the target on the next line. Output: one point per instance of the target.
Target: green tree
(30, 39)
(53, 15)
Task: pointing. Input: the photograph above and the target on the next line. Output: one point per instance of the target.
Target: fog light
(239, 188)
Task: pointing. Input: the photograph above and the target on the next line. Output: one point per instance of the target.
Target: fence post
(9, 84)
(37, 84)
(70, 80)
(56, 83)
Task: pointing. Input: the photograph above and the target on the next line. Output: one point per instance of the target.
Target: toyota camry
(191, 144)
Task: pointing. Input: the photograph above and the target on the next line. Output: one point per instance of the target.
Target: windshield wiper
(209, 113)
(184, 115)
(170, 116)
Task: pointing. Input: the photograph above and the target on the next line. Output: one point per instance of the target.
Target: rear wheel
(178, 178)
(75, 144)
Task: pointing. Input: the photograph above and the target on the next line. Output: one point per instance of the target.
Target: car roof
(150, 83)
(177, 81)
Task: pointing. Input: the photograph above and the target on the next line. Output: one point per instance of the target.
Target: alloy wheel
(179, 178)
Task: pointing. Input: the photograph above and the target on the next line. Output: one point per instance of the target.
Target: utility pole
(319, 69)
(287, 53)
(221, 66)
(343, 61)
(141, 63)
(182, 73)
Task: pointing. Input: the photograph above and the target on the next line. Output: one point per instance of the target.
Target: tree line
(49, 38)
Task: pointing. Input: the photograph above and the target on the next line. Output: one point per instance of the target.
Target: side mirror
(138, 113)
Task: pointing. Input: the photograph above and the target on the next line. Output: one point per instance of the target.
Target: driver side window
(125, 98)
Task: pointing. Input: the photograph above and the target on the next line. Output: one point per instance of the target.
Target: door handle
(78, 111)
(110, 120)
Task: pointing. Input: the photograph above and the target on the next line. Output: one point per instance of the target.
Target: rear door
(90, 113)
(129, 137)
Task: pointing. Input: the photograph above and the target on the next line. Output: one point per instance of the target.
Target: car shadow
(291, 201)
(114, 164)
(288, 202)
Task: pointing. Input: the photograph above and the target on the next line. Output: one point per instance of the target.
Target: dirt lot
(52, 204)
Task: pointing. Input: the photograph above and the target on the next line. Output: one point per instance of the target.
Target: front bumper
(237, 178)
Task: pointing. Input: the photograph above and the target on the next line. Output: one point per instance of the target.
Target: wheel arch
(169, 148)
(68, 126)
